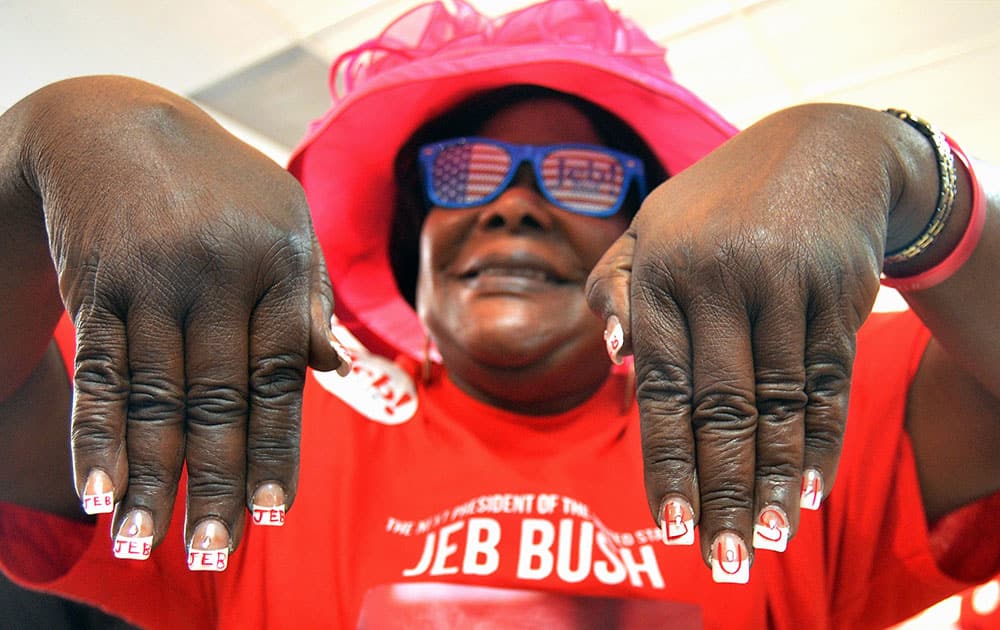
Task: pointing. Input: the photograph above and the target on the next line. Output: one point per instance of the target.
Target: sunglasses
(583, 178)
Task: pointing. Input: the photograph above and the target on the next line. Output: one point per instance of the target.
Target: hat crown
(436, 30)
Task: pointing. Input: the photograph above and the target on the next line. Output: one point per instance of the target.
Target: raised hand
(739, 288)
(189, 268)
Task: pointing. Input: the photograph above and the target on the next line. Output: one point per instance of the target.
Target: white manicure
(730, 561)
(812, 489)
(771, 529)
(614, 338)
(98, 494)
(209, 550)
(677, 523)
(134, 540)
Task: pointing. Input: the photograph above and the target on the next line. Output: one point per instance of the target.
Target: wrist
(968, 220)
(933, 201)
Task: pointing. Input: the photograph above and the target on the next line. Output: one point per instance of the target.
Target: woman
(494, 470)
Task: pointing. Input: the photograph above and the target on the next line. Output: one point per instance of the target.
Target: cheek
(440, 239)
(424, 285)
(594, 238)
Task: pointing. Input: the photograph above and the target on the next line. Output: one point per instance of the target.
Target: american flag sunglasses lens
(465, 174)
(586, 180)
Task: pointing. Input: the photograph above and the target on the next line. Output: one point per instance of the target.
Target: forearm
(31, 303)
(963, 311)
(34, 390)
(953, 407)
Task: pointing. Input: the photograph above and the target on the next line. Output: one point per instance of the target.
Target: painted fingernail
(677, 522)
(771, 529)
(269, 505)
(730, 560)
(812, 489)
(134, 540)
(209, 548)
(345, 357)
(98, 493)
(614, 338)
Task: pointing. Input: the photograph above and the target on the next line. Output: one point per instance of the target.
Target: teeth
(519, 272)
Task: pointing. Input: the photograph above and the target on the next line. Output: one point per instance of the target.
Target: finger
(279, 345)
(724, 420)
(155, 432)
(100, 400)
(779, 332)
(829, 356)
(216, 350)
(325, 351)
(608, 294)
(663, 390)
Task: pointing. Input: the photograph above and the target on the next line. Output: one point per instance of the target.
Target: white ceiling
(746, 57)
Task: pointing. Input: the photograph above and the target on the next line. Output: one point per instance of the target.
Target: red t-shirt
(419, 506)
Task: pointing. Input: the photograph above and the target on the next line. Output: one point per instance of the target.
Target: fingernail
(614, 337)
(98, 493)
(771, 529)
(730, 561)
(677, 522)
(209, 548)
(134, 540)
(812, 489)
(269, 504)
(345, 357)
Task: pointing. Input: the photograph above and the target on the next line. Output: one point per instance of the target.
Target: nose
(521, 207)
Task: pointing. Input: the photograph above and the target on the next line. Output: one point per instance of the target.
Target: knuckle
(597, 289)
(90, 433)
(150, 477)
(275, 448)
(666, 460)
(94, 288)
(824, 438)
(662, 388)
(653, 282)
(292, 252)
(663, 452)
(730, 497)
(211, 485)
(278, 378)
(780, 399)
(827, 376)
(778, 471)
(98, 375)
(725, 409)
(216, 404)
(154, 398)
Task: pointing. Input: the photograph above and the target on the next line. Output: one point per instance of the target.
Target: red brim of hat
(345, 163)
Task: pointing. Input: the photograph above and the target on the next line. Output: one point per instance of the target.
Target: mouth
(517, 271)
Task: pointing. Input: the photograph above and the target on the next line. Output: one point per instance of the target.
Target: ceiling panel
(723, 63)
(181, 44)
(954, 93)
(746, 57)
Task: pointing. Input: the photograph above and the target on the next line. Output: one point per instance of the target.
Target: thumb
(608, 295)
(326, 353)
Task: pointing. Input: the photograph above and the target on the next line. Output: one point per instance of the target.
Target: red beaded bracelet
(947, 267)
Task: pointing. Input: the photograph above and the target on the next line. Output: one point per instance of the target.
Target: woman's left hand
(740, 286)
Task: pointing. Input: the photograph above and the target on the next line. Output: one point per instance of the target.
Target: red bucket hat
(426, 62)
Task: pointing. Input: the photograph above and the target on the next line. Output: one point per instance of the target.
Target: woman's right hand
(188, 265)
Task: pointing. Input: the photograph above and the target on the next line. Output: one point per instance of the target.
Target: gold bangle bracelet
(947, 190)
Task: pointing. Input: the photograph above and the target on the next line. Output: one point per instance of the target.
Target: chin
(508, 348)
